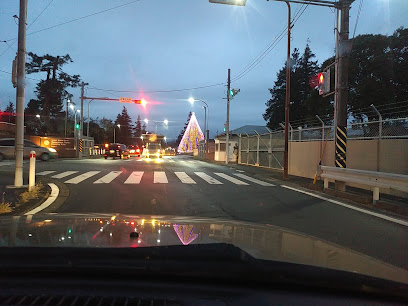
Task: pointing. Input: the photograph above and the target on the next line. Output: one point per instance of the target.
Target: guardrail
(373, 179)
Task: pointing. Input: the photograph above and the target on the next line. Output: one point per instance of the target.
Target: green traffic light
(77, 126)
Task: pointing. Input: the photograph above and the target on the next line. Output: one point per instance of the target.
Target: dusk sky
(163, 45)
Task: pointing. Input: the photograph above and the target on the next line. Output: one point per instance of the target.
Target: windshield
(287, 114)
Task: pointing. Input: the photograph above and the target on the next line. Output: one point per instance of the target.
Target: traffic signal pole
(20, 94)
(227, 123)
(342, 90)
(287, 101)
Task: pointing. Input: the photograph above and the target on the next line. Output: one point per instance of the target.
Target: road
(183, 186)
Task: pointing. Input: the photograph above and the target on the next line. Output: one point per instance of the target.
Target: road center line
(365, 211)
(82, 177)
(53, 196)
(184, 178)
(108, 177)
(253, 180)
(160, 177)
(231, 179)
(135, 177)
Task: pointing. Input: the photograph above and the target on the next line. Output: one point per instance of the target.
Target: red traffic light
(321, 78)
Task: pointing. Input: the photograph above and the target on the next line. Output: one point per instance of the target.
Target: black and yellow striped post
(341, 147)
(80, 145)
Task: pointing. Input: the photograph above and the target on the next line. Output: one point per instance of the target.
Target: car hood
(260, 241)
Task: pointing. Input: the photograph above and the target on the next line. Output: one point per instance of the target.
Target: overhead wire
(358, 17)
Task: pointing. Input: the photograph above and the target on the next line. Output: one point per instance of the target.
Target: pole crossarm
(335, 4)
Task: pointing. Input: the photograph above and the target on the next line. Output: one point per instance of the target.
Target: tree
(305, 103)
(107, 126)
(51, 92)
(124, 132)
(180, 136)
(10, 113)
(138, 131)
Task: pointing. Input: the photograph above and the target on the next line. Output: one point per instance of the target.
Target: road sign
(125, 100)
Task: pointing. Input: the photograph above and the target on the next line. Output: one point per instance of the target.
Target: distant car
(116, 150)
(153, 149)
(134, 151)
(170, 151)
(7, 150)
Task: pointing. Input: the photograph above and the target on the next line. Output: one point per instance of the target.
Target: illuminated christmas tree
(192, 136)
(185, 233)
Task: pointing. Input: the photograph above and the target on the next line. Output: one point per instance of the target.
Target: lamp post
(87, 127)
(165, 121)
(66, 117)
(114, 132)
(207, 110)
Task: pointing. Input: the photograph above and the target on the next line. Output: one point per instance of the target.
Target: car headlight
(52, 150)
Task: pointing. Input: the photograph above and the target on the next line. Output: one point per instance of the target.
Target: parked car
(116, 150)
(7, 150)
(134, 151)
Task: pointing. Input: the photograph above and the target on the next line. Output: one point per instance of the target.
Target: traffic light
(77, 126)
(324, 82)
(233, 92)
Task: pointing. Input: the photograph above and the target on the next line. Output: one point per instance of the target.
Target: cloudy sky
(157, 47)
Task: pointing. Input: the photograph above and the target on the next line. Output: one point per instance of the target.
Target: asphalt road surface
(183, 186)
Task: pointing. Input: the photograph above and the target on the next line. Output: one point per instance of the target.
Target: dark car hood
(262, 242)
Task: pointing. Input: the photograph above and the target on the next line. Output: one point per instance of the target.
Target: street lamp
(206, 112)
(165, 121)
(38, 116)
(146, 121)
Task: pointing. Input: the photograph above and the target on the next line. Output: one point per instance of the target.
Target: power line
(358, 17)
(158, 91)
(79, 18)
(26, 77)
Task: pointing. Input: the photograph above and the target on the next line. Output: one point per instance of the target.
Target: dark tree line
(377, 75)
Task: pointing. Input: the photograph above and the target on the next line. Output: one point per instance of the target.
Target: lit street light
(38, 116)
(165, 121)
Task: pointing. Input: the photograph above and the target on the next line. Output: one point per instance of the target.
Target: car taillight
(118, 147)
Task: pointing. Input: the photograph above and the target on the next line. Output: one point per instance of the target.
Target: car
(134, 151)
(153, 149)
(170, 151)
(116, 150)
(7, 150)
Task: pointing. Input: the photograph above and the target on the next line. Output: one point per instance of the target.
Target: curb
(53, 196)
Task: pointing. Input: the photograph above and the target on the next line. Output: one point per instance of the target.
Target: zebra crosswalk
(74, 177)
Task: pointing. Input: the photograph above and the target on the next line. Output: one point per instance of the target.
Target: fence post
(239, 148)
(300, 133)
(270, 148)
(291, 132)
(257, 148)
(247, 149)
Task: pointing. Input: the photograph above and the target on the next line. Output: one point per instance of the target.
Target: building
(220, 141)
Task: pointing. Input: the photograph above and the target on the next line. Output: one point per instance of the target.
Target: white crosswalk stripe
(184, 178)
(171, 161)
(82, 177)
(64, 174)
(108, 178)
(231, 179)
(248, 178)
(45, 172)
(182, 161)
(135, 177)
(208, 179)
(160, 177)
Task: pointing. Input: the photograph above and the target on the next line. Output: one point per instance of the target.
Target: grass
(33, 194)
(5, 208)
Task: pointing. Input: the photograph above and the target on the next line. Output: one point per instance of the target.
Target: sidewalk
(360, 197)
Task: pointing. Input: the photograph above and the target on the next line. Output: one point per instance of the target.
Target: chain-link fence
(266, 150)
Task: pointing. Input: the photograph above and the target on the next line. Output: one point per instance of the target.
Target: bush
(5, 208)
(33, 194)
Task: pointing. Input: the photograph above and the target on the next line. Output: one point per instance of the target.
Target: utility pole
(227, 123)
(66, 118)
(342, 95)
(19, 140)
(82, 108)
(287, 101)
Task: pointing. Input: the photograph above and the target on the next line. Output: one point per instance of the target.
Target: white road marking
(171, 161)
(385, 217)
(160, 177)
(53, 196)
(64, 174)
(184, 178)
(182, 161)
(6, 163)
(45, 172)
(81, 177)
(192, 161)
(251, 179)
(231, 179)
(208, 179)
(108, 178)
(135, 177)
(242, 171)
(139, 160)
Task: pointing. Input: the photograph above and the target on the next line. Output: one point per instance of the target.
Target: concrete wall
(386, 155)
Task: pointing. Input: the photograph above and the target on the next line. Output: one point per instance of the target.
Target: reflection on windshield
(185, 233)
